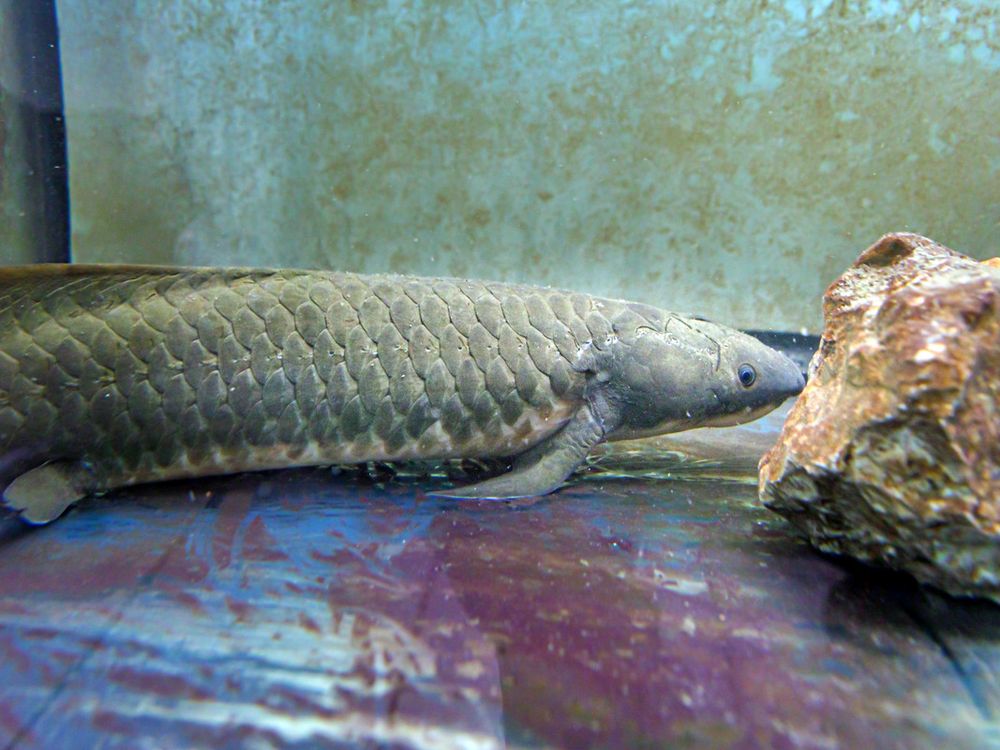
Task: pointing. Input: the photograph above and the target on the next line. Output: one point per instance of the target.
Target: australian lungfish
(116, 375)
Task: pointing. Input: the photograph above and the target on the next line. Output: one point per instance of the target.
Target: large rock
(892, 452)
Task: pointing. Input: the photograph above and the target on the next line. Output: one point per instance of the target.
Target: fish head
(689, 373)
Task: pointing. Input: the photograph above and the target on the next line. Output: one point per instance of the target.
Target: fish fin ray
(543, 468)
(43, 271)
(44, 493)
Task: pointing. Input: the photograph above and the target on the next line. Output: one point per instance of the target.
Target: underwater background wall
(728, 158)
(34, 214)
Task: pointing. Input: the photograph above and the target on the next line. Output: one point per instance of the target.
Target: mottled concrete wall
(726, 157)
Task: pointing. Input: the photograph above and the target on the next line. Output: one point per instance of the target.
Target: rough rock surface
(892, 452)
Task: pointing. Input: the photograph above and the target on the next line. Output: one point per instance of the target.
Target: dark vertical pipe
(39, 99)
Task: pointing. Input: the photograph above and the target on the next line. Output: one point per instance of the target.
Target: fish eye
(747, 375)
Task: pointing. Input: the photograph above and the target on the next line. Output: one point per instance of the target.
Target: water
(729, 159)
(300, 609)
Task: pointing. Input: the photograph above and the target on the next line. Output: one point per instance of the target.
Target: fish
(117, 375)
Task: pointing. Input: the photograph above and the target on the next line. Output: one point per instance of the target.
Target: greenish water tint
(725, 158)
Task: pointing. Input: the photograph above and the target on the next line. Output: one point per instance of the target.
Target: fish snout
(786, 379)
(798, 378)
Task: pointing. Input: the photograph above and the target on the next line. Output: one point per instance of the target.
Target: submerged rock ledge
(892, 452)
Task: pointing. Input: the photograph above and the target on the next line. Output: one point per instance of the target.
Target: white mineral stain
(685, 588)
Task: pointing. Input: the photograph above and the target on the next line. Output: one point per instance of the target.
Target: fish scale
(149, 374)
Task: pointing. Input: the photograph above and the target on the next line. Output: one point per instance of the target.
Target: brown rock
(892, 452)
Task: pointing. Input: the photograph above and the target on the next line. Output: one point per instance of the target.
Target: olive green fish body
(173, 373)
(111, 376)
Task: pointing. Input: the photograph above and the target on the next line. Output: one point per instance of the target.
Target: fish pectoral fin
(44, 493)
(541, 469)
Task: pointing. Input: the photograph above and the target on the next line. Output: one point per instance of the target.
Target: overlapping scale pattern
(156, 373)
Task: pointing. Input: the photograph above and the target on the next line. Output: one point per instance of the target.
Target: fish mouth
(744, 415)
(732, 417)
